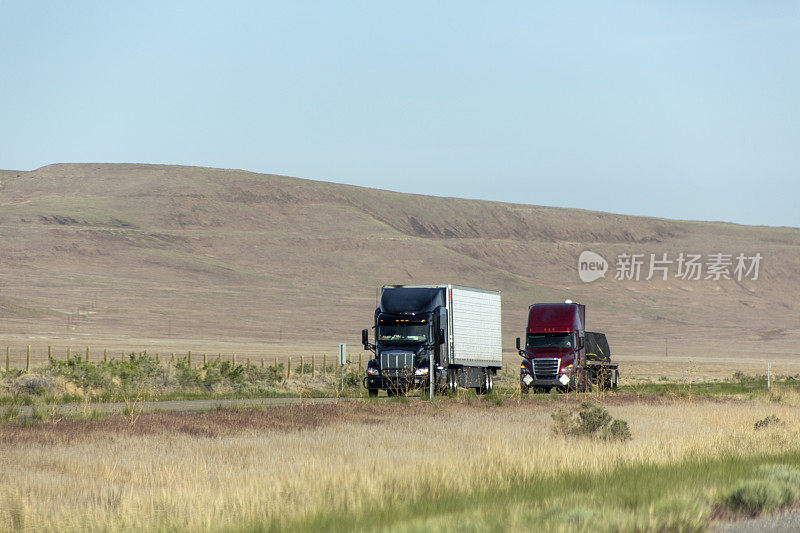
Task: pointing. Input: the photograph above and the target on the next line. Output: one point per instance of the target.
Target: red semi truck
(560, 353)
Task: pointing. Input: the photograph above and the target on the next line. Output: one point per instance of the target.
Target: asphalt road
(174, 405)
(781, 522)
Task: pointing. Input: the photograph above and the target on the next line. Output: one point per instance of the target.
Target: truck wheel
(373, 393)
(486, 386)
(615, 380)
(452, 382)
(491, 381)
(390, 392)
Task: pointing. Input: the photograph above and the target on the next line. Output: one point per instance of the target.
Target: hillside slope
(155, 252)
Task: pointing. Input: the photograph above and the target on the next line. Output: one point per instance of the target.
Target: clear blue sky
(673, 109)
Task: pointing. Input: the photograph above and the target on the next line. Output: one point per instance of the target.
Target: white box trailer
(477, 336)
(454, 330)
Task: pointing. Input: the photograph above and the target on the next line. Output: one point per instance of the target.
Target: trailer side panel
(477, 331)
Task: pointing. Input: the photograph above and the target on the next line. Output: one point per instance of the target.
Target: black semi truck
(448, 331)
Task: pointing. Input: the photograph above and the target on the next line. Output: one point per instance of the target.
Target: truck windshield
(550, 340)
(403, 334)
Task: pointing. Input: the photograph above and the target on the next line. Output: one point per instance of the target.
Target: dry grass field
(363, 466)
(163, 259)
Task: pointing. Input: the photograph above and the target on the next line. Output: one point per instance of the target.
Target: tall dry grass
(167, 479)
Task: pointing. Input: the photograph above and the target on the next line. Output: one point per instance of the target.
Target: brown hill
(107, 253)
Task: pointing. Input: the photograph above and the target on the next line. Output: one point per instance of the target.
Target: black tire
(452, 382)
(490, 380)
(390, 393)
(373, 393)
(486, 385)
(615, 380)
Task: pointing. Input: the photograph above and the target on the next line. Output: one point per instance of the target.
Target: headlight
(567, 368)
(371, 371)
(421, 371)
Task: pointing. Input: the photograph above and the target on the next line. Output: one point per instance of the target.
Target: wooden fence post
(301, 366)
(50, 354)
(8, 358)
(359, 362)
(173, 357)
(262, 362)
(313, 364)
(276, 363)
(205, 359)
(69, 354)
(105, 355)
(289, 368)
(190, 359)
(233, 359)
(158, 357)
(324, 365)
(87, 354)
(28, 359)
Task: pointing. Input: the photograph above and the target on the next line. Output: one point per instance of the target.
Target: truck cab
(450, 331)
(408, 332)
(554, 346)
(560, 353)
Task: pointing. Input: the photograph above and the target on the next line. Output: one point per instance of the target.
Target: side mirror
(519, 348)
(439, 336)
(365, 338)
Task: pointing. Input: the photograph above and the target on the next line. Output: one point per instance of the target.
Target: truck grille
(397, 364)
(545, 368)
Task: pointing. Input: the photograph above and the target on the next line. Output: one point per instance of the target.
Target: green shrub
(187, 376)
(788, 479)
(753, 496)
(774, 486)
(353, 380)
(275, 373)
(590, 421)
(617, 430)
(306, 369)
(212, 377)
(766, 422)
